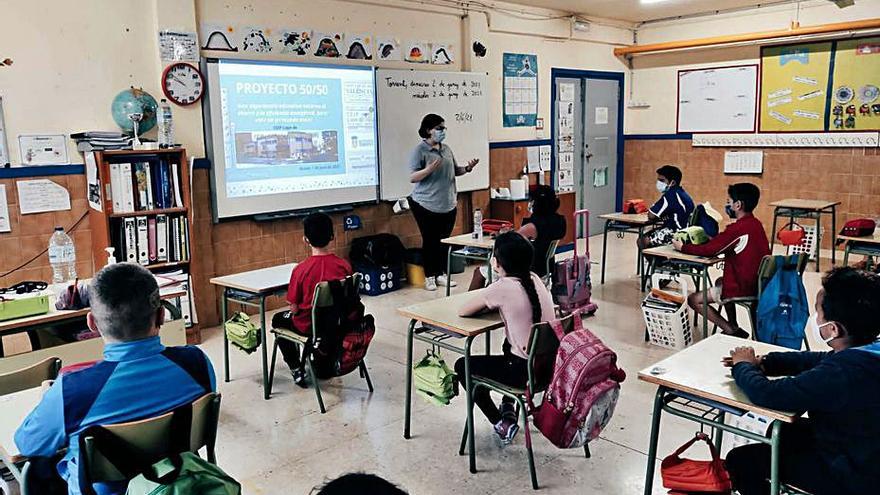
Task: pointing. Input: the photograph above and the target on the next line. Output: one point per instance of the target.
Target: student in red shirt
(743, 244)
(321, 266)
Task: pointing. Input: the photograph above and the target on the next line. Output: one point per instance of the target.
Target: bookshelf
(146, 214)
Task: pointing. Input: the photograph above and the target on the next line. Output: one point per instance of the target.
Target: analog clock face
(183, 84)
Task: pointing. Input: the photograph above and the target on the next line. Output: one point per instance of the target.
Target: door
(597, 184)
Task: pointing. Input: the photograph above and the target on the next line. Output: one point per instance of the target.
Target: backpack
(783, 309)
(346, 332)
(242, 333)
(692, 235)
(634, 206)
(706, 217)
(434, 380)
(860, 227)
(572, 287)
(583, 391)
(381, 250)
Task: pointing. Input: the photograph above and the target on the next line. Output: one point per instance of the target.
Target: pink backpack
(584, 389)
(572, 288)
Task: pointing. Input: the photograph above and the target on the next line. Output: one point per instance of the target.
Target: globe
(134, 100)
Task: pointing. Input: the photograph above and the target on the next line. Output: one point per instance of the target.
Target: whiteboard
(404, 97)
(722, 99)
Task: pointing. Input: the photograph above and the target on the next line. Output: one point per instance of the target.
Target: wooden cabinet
(515, 210)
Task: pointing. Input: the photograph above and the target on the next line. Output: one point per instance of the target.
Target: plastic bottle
(62, 257)
(166, 124)
(478, 225)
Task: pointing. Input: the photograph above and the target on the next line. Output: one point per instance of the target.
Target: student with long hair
(523, 300)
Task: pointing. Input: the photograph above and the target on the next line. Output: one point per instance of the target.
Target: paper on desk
(4, 211)
(41, 195)
(534, 159)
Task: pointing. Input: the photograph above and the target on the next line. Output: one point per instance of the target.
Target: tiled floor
(284, 445)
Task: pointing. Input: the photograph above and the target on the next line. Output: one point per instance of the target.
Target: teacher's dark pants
(434, 227)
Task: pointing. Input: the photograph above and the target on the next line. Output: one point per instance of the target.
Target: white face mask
(438, 135)
(661, 186)
(816, 329)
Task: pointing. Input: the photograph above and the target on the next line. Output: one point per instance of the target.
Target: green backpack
(692, 235)
(242, 333)
(434, 380)
(180, 474)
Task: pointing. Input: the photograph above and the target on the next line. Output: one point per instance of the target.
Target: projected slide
(294, 129)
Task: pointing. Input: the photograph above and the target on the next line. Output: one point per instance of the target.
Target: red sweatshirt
(743, 244)
(303, 280)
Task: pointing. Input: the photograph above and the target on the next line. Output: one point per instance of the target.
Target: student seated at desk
(743, 244)
(523, 300)
(321, 266)
(837, 450)
(674, 208)
(542, 228)
(138, 378)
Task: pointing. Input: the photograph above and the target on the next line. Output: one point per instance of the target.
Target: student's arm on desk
(42, 433)
(473, 307)
(790, 363)
(715, 246)
(823, 387)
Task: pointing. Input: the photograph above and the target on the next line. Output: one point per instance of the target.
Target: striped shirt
(674, 207)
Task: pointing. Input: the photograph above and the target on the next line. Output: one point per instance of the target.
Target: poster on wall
(328, 44)
(256, 40)
(520, 89)
(294, 42)
(219, 37)
(178, 46)
(417, 52)
(442, 54)
(360, 47)
(855, 98)
(794, 80)
(389, 49)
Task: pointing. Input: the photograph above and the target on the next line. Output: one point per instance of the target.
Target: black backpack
(381, 250)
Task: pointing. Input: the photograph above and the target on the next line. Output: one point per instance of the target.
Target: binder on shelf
(161, 238)
(151, 235)
(174, 249)
(130, 237)
(178, 188)
(127, 185)
(115, 188)
(141, 186)
(165, 174)
(151, 204)
(185, 303)
(142, 241)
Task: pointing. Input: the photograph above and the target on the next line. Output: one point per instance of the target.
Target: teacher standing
(434, 199)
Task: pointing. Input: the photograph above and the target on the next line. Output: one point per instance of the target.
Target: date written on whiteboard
(437, 89)
(464, 117)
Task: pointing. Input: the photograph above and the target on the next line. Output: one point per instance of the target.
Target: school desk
(868, 246)
(808, 208)
(243, 288)
(439, 323)
(666, 259)
(15, 407)
(474, 249)
(694, 385)
(624, 223)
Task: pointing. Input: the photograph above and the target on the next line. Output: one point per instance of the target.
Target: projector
(843, 3)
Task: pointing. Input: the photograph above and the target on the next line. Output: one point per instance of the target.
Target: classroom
(407, 247)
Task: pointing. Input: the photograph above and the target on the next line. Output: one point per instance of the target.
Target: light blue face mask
(438, 135)
(662, 186)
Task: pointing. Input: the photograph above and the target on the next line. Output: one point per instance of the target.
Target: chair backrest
(152, 439)
(31, 377)
(323, 297)
(550, 256)
(768, 268)
(543, 346)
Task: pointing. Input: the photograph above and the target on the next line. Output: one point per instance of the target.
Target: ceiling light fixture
(651, 1)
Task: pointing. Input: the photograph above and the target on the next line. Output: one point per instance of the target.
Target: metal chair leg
(272, 366)
(314, 377)
(366, 375)
(463, 438)
(525, 417)
(587, 453)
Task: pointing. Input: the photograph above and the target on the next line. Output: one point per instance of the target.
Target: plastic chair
(150, 440)
(31, 377)
(548, 263)
(543, 346)
(766, 271)
(322, 298)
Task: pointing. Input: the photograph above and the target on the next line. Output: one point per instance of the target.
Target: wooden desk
(468, 241)
(442, 315)
(243, 288)
(623, 223)
(808, 208)
(869, 246)
(698, 372)
(667, 260)
(15, 407)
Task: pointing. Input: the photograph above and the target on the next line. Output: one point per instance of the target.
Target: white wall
(654, 77)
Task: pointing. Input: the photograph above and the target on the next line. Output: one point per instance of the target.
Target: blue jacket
(674, 208)
(136, 380)
(841, 393)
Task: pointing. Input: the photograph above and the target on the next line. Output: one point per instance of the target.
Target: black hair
(747, 193)
(357, 484)
(671, 172)
(515, 254)
(124, 299)
(318, 228)
(429, 122)
(544, 200)
(852, 299)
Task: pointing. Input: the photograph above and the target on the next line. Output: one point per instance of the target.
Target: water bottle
(62, 257)
(478, 225)
(166, 125)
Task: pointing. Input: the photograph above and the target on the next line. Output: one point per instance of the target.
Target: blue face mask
(438, 135)
(729, 210)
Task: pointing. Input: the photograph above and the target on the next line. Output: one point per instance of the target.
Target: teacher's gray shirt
(436, 192)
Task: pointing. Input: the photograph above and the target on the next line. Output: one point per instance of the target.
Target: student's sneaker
(444, 280)
(430, 284)
(299, 377)
(506, 430)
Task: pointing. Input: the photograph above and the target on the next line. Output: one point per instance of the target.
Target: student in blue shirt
(674, 208)
(138, 377)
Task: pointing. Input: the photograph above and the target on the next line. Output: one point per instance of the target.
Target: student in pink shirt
(523, 300)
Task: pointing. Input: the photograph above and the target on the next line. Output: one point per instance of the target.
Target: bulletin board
(794, 85)
(719, 99)
(855, 98)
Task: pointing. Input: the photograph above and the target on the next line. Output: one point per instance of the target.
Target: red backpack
(584, 389)
(347, 331)
(860, 227)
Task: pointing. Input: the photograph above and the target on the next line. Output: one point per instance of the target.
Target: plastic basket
(749, 421)
(809, 245)
(670, 328)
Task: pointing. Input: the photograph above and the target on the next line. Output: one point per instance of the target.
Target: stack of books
(101, 140)
(652, 301)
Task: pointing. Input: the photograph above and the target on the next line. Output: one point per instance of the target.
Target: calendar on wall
(520, 90)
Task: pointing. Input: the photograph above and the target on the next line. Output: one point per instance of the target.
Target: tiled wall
(848, 175)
